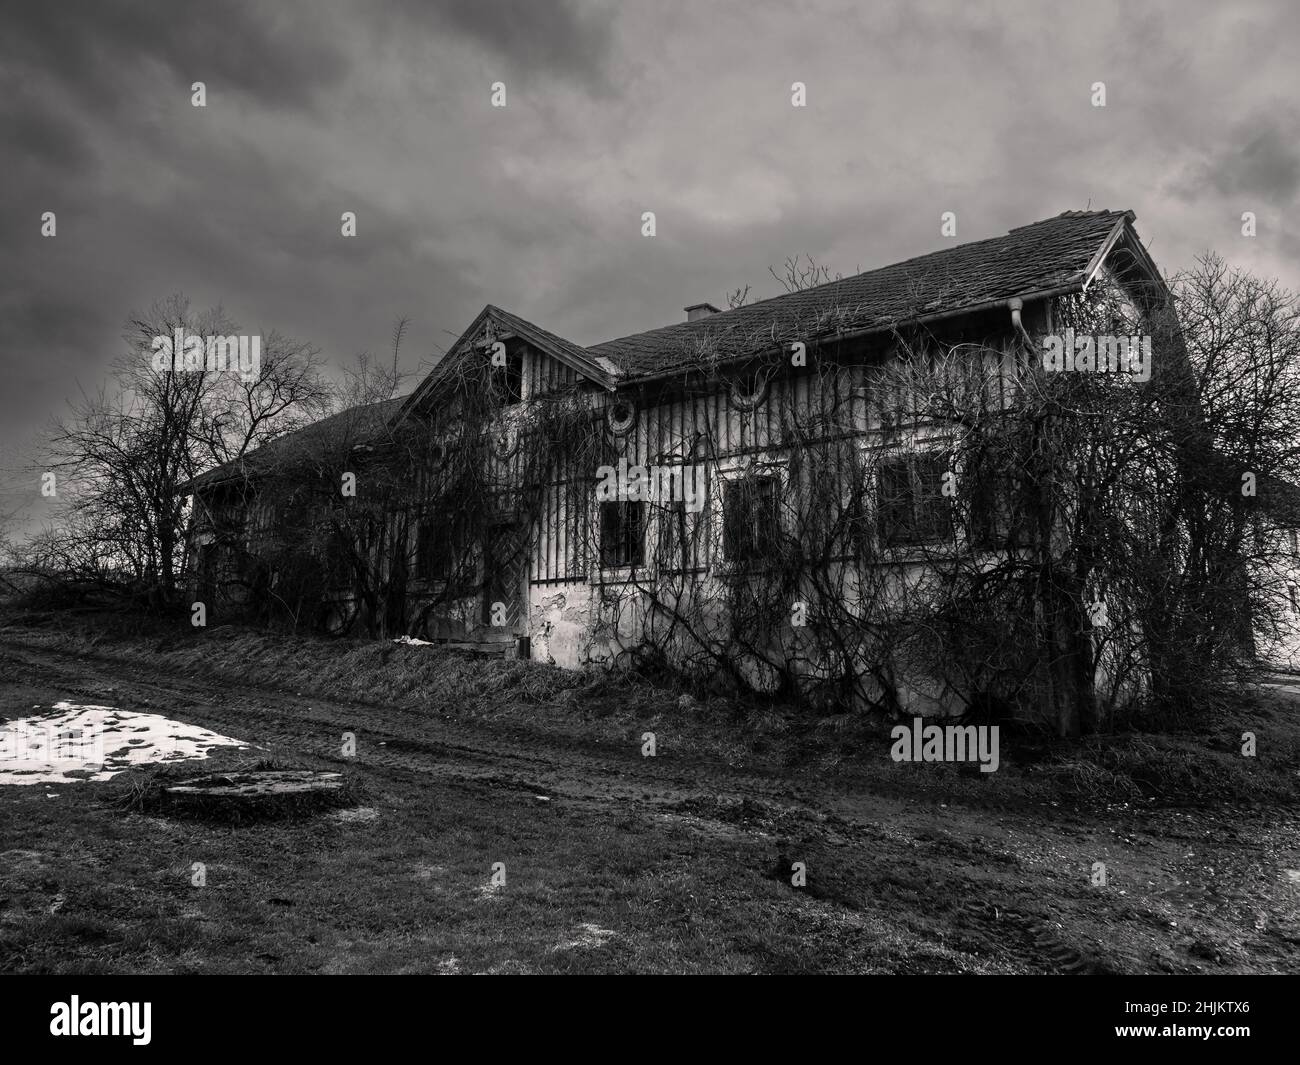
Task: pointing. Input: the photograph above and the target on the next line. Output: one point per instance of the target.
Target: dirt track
(989, 890)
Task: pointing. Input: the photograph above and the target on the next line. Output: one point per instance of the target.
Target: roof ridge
(713, 318)
(1070, 214)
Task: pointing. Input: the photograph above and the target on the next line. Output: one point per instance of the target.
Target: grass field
(615, 862)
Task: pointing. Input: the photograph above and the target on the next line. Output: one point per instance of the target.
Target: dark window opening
(338, 560)
(621, 415)
(998, 511)
(508, 380)
(674, 536)
(911, 506)
(993, 517)
(855, 524)
(750, 519)
(434, 550)
(622, 534)
(749, 390)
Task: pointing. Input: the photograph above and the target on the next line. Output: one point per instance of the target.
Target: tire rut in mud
(403, 738)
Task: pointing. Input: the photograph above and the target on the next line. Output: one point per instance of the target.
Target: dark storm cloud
(1262, 160)
(97, 52)
(33, 135)
(683, 108)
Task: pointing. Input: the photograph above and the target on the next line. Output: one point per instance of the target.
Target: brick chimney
(696, 311)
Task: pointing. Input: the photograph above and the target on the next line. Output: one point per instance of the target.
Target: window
(911, 506)
(676, 536)
(622, 534)
(997, 511)
(748, 391)
(750, 520)
(433, 550)
(338, 560)
(621, 415)
(508, 380)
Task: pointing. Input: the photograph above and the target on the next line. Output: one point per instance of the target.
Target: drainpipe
(1016, 305)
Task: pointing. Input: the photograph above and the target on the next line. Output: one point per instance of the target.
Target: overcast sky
(681, 107)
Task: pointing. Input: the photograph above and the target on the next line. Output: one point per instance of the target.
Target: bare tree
(124, 451)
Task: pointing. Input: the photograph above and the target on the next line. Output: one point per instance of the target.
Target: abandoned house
(826, 492)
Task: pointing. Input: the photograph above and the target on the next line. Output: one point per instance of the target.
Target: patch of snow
(590, 936)
(356, 813)
(77, 742)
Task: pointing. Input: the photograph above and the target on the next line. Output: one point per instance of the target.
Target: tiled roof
(362, 424)
(524, 328)
(1032, 258)
(1035, 258)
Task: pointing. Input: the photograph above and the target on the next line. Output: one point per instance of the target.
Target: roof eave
(584, 365)
(1112, 238)
(1068, 288)
(597, 369)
